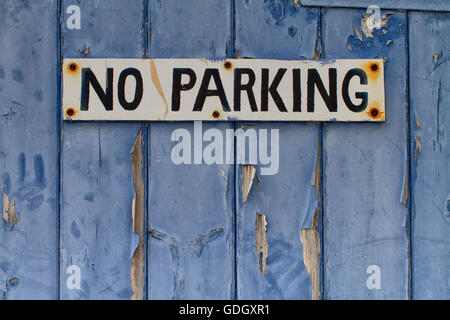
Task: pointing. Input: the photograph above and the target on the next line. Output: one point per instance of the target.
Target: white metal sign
(234, 89)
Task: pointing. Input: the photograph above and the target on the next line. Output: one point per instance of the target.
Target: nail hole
(216, 114)
(374, 67)
(227, 65)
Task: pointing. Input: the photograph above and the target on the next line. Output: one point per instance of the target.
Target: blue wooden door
(99, 210)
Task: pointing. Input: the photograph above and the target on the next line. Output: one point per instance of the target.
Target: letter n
(105, 96)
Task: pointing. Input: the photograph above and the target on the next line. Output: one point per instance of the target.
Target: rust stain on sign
(262, 246)
(9, 210)
(138, 205)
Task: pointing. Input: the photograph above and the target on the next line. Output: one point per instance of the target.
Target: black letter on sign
(297, 89)
(314, 80)
(361, 95)
(204, 92)
(177, 87)
(238, 87)
(138, 91)
(106, 97)
(265, 89)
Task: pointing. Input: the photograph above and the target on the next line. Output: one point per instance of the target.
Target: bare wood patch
(248, 174)
(262, 246)
(9, 210)
(138, 209)
(311, 250)
(310, 237)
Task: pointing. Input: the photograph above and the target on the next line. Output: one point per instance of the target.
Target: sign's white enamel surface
(270, 90)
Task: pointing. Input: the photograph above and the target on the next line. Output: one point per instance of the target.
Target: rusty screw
(227, 65)
(374, 67)
(374, 112)
(70, 112)
(216, 114)
(73, 66)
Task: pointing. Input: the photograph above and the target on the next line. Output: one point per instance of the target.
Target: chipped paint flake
(9, 210)
(310, 236)
(368, 24)
(311, 251)
(405, 186)
(418, 147)
(248, 174)
(358, 34)
(435, 58)
(138, 205)
(262, 246)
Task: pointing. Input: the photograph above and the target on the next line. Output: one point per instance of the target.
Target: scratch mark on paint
(204, 239)
(438, 106)
(248, 174)
(8, 115)
(262, 246)
(157, 83)
(178, 284)
(157, 234)
(138, 205)
(9, 210)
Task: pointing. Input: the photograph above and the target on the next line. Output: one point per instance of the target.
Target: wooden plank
(430, 118)
(97, 182)
(287, 199)
(191, 218)
(28, 152)
(365, 171)
(430, 5)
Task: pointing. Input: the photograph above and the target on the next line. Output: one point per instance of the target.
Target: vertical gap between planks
(234, 197)
(409, 223)
(146, 158)
(58, 143)
(321, 167)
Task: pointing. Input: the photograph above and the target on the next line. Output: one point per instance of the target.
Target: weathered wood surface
(29, 149)
(365, 170)
(287, 199)
(69, 193)
(430, 153)
(96, 172)
(191, 213)
(431, 5)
